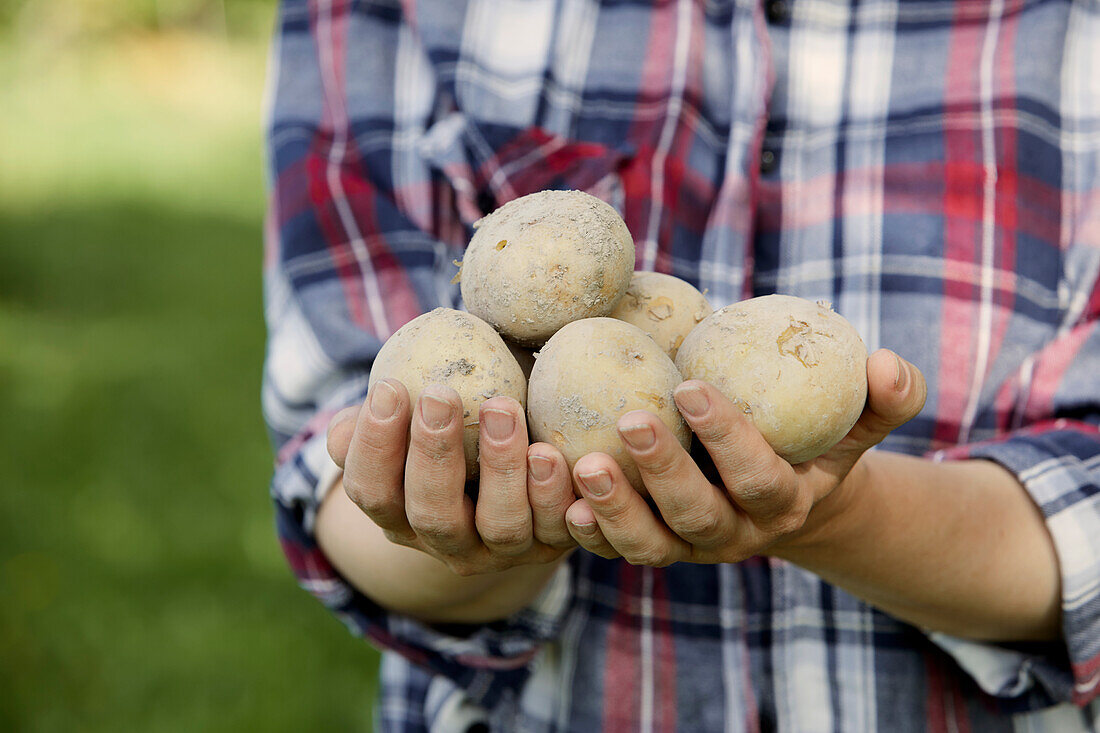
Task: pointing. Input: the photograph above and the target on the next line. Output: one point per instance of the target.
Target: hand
(418, 497)
(763, 504)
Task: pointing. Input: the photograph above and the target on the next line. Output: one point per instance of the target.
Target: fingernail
(435, 413)
(901, 376)
(499, 425)
(691, 400)
(540, 467)
(585, 529)
(598, 483)
(638, 437)
(383, 401)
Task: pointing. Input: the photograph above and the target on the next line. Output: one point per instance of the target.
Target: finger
(758, 481)
(340, 430)
(691, 506)
(503, 513)
(625, 519)
(585, 530)
(375, 464)
(435, 475)
(896, 391)
(550, 493)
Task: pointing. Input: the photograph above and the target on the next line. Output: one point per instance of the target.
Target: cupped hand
(762, 502)
(404, 467)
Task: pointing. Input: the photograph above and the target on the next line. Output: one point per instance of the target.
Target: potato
(460, 351)
(665, 307)
(798, 368)
(589, 374)
(546, 259)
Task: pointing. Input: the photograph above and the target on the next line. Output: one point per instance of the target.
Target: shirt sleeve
(361, 235)
(1057, 460)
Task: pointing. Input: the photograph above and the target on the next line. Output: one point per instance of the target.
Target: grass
(142, 585)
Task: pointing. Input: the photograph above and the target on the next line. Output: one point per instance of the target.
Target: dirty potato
(796, 367)
(546, 259)
(663, 306)
(587, 376)
(460, 351)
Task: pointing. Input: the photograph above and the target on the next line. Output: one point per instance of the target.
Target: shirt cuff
(326, 480)
(1024, 680)
(1058, 463)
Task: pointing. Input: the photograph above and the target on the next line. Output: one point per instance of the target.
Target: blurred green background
(141, 584)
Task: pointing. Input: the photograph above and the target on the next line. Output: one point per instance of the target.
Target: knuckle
(501, 464)
(710, 429)
(433, 527)
(786, 524)
(611, 509)
(552, 534)
(382, 439)
(397, 537)
(353, 488)
(662, 463)
(369, 501)
(544, 504)
(433, 449)
(788, 521)
(372, 503)
(760, 481)
(759, 485)
(650, 555)
(699, 526)
(507, 537)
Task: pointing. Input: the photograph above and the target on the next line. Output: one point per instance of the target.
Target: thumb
(340, 430)
(896, 391)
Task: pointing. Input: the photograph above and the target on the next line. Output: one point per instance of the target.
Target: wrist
(835, 516)
(491, 596)
(414, 583)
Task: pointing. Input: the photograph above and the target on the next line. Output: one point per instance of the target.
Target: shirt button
(769, 161)
(777, 12)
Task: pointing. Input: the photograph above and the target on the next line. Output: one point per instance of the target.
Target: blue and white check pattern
(931, 167)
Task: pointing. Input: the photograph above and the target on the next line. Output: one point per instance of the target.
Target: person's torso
(929, 168)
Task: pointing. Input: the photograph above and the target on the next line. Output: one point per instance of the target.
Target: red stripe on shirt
(345, 265)
(664, 650)
(320, 193)
(645, 129)
(1086, 677)
(621, 681)
(962, 211)
(945, 704)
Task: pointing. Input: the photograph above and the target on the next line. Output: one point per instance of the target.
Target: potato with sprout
(460, 351)
(796, 367)
(663, 306)
(588, 375)
(544, 260)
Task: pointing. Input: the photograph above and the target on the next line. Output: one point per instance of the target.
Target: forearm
(408, 581)
(957, 547)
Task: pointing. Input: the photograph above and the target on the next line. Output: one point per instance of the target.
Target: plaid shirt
(931, 167)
